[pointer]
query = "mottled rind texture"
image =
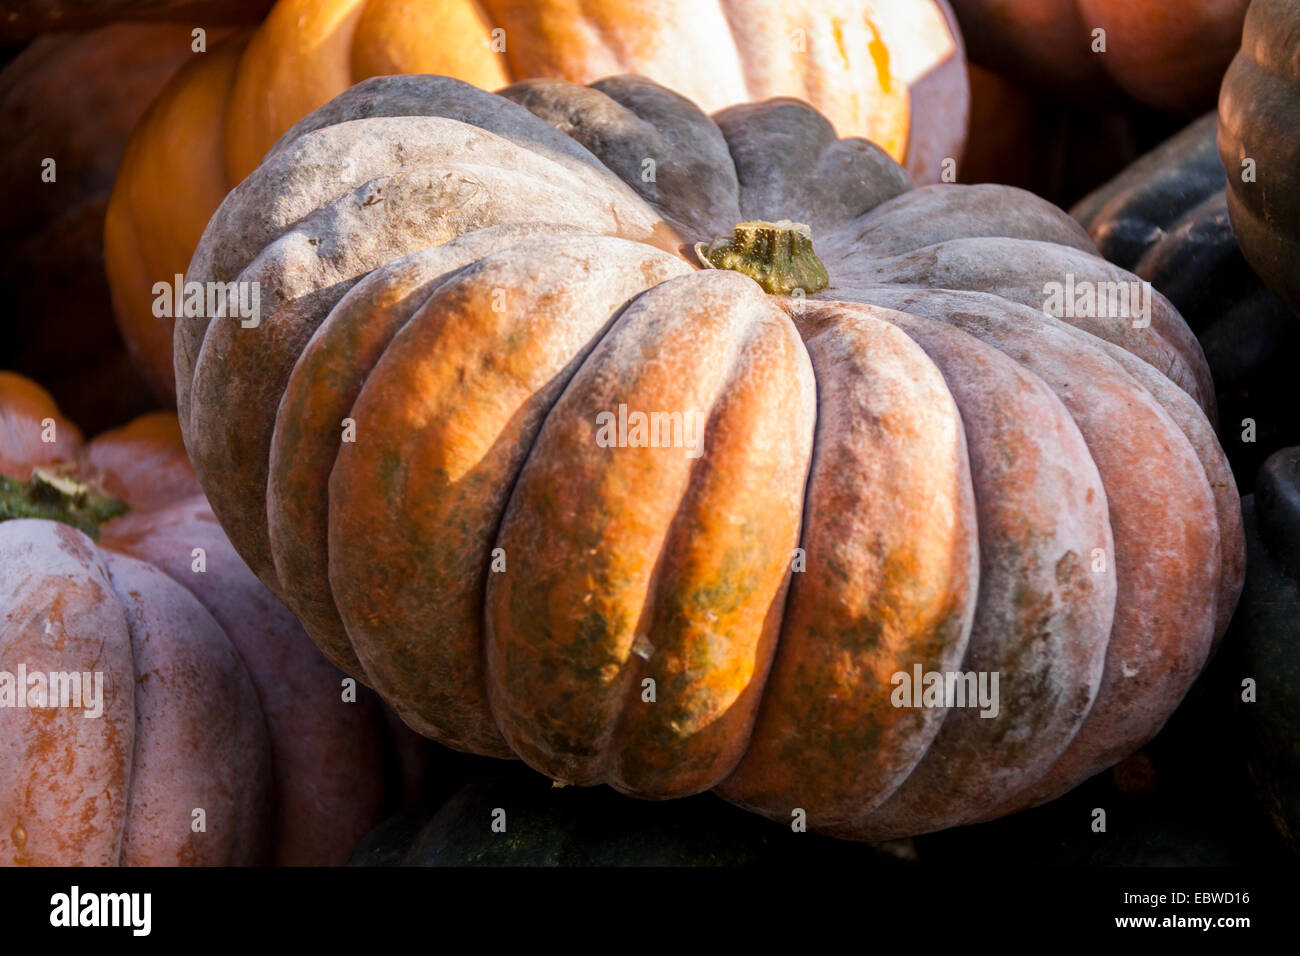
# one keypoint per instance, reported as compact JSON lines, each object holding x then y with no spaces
{"x":430,"y":449}
{"x":214,"y":698}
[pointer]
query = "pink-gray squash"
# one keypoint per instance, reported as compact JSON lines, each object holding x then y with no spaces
{"x":913,"y":467}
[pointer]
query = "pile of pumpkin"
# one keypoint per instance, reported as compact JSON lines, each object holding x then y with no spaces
{"x":345,"y":288}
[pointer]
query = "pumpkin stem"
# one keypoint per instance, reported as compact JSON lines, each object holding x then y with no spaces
{"x":777,"y":255}
{"x":57,"y":497}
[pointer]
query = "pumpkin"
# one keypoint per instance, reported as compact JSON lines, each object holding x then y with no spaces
{"x":1167,"y":55}
{"x":428,"y":445}
{"x":1268,"y":629}
{"x":1259,"y":143}
{"x":212,"y":697}
{"x":56,"y":317}
{"x":26,"y":18}
{"x":1166,"y":219}
{"x":891,"y":71}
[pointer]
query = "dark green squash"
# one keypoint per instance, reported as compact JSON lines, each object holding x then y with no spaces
{"x":1267,"y":625}
{"x":548,"y":825}
{"x":1165,"y":218}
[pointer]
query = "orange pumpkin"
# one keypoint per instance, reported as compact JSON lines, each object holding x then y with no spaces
{"x":1259,"y":144}
{"x":223,"y":736}
{"x":890,"y":70}
{"x":56,"y":107}
{"x":426,"y":444}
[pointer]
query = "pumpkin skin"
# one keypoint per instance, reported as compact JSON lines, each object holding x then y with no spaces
{"x":1259,"y":119}
{"x":213,"y":695}
{"x":1267,"y":629}
{"x":970,"y":453}
{"x":1167,"y":55}
{"x":57,"y":323}
{"x":1166,"y":219}
{"x":891,"y":71}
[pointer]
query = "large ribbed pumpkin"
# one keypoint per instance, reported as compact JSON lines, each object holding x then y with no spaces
{"x":1259,"y":143}
{"x":213,"y":698}
{"x":913,"y":468}
{"x":1169,"y":54}
{"x":890,"y":70}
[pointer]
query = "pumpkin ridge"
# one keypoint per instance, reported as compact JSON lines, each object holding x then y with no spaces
{"x":73,"y":771}
{"x":443,"y":422}
{"x":536,"y":639}
{"x":1040,"y":632}
{"x":272,"y":347}
{"x":962,"y":265}
{"x":627,"y":749}
{"x":804,"y":669}
{"x":324,"y":384}
{"x":231,"y":748}
{"x":1194,"y":425}
{"x":1114,"y":702}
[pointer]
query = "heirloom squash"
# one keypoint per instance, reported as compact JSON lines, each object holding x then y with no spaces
{"x":1259,"y":142}
{"x":426,"y":445}
{"x":1164,"y":53}
{"x":1268,"y":627}
{"x":1166,"y":219}
{"x":890,"y":70}
{"x":212,"y":698}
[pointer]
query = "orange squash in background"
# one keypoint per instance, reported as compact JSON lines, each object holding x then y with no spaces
{"x":892,"y":71}
{"x":1259,"y":126}
{"x":1169,"y":54}
{"x":213,"y":697}
{"x":72,"y":99}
